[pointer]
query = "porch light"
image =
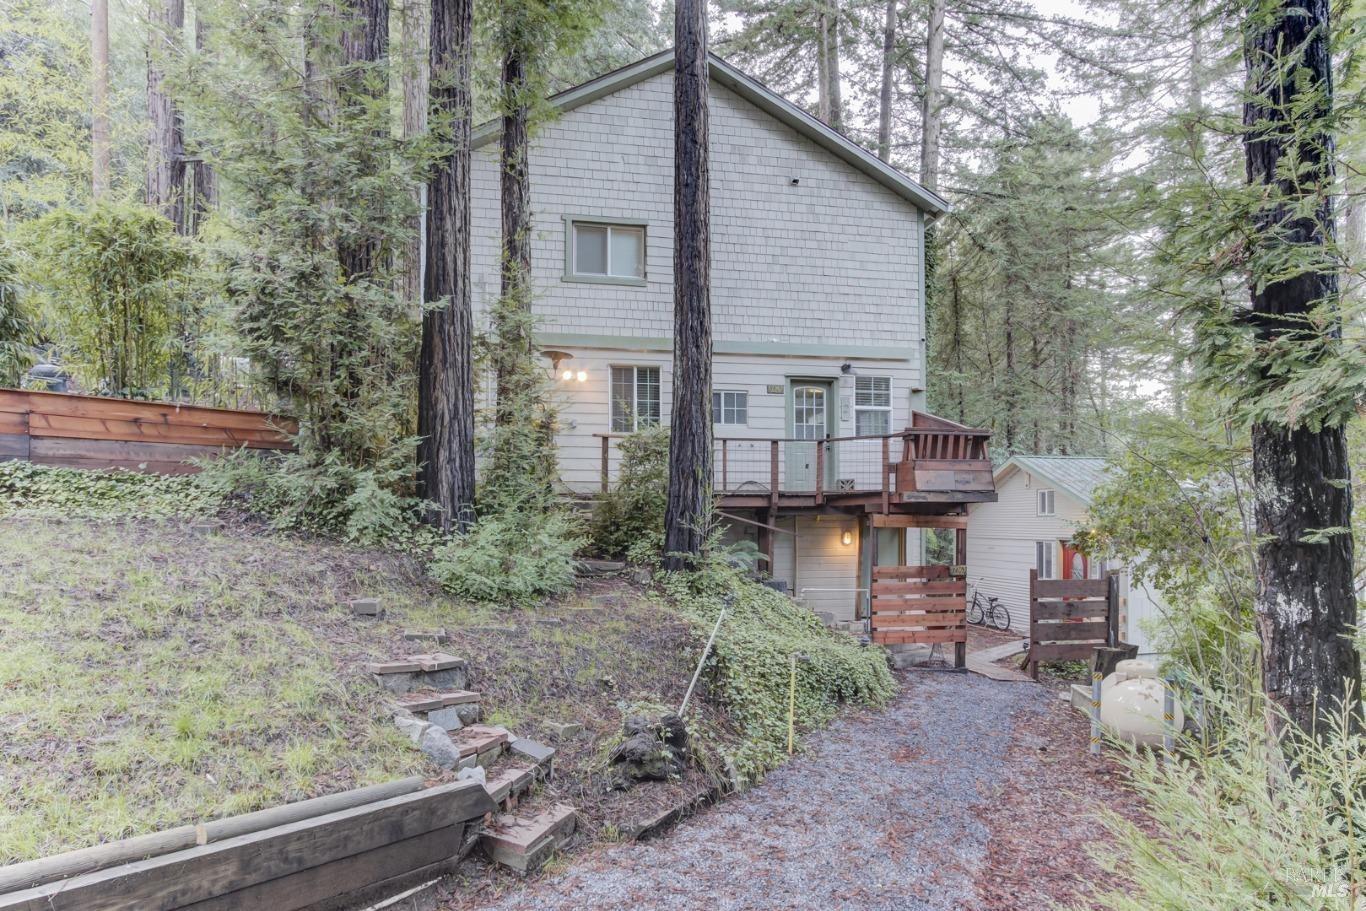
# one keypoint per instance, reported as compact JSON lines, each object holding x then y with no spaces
{"x":582,"y":376}
{"x":567,"y":375}
{"x":846,"y":537}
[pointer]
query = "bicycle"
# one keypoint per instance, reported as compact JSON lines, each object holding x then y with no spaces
{"x":993,"y":610}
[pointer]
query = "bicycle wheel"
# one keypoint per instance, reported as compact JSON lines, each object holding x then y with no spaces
{"x":975,"y":615}
{"x":1000,"y":617}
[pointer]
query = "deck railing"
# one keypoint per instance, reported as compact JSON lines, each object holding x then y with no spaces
{"x":925,"y":458}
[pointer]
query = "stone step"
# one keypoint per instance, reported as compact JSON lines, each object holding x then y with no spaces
{"x":509,"y":784}
{"x":406,"y":673}
{"x":429,"y":702}
{"x":534,"y":750}
{"x":522,"y":842}
{"x":439,"y":636}
{"x":483,"y":742}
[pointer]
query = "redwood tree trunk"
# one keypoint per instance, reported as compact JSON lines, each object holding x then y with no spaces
{"x":1306,"y":608}
{"x":690,"y":441}
{"x":932,"y":109}
{"x":445,"y":417}
{"x":365,"y":42}
{"x":514,"y":334}
{"x":165,"y":136}
{"x":884,"y":108}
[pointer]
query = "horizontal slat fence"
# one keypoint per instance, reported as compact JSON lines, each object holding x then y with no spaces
{"x":918,"y":604}
{"x":1070,"y":618}
{"x":81,"y":431}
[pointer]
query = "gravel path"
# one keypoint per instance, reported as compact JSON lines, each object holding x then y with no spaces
{"x":880,"y":813}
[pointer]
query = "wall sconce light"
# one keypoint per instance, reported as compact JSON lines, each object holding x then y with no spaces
{"x":582,"y":376}
{"x":846,"y":537}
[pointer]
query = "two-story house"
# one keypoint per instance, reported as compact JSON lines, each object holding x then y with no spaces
{"x":817,"y":295}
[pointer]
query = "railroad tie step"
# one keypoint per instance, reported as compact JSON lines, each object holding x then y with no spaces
{"x":524,"y":841}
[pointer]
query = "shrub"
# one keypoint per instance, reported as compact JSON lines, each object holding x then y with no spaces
{"x":1227,"y":828}
{"x":15,"y":331}
{"x":631,"y":515}
{"x":750,"y":662}
{"x":509,"y":559}
{"x":112,"y":276}
{"x":328,"y":497}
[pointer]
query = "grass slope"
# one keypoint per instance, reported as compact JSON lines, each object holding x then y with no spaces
{"x":150,"y":676}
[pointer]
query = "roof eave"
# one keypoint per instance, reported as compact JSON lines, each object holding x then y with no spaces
{"x":761,"y":97}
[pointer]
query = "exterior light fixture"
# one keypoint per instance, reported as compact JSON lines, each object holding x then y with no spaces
{"x":557,"y":358}
{"x":582,"y":376}
{"x":848,"y":369}
{"x":846,"y":537}
{"x":567,"y":375}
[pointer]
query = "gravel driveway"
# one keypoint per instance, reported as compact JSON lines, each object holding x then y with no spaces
{"x":879,"y":813}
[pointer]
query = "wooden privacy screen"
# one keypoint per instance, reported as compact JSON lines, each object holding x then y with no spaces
{"x":1070,"y":618}
{"x":920,"y":604}
{"x":83,"y":431}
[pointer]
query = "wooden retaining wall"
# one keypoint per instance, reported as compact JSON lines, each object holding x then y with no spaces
{"x":84,"y":431}
{"x":335,"y":860}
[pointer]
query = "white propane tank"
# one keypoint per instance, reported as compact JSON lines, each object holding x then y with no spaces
{"x":1131,"y":704}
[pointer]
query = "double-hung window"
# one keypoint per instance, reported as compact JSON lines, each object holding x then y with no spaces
{"x":1043,"y":559}
{"x":635,"y":398}
{"x":606,"y":251}
{"x":872,"y":405}
{"x":1047,"y":503}
{"x":728,"y":407}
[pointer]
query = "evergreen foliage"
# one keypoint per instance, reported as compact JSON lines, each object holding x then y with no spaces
{"x":16,"y":330}
{"x":629,"y":519}
{"x":111,"y":279}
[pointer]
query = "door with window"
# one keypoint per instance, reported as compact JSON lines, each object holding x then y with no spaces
{"x":1074,"y":563}
{"x":810,"y":417}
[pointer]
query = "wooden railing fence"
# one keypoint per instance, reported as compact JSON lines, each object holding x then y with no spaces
{"x":1070,"y":618}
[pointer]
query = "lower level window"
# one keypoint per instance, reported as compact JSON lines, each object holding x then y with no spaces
{"x":635,"y":398}
{"x":1043,"y":559}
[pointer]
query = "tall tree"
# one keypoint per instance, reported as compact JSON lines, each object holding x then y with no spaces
{"x":100,"y":143}
{"x":1306,"y":606}
{"x":514,"y":189}
{"x":931,"y":117}
{"x":165,"y":133}
{"x":690,"y":441}
{"x":365,"y":46}
{"x":445,"y":418}
{"x":884,"y":108}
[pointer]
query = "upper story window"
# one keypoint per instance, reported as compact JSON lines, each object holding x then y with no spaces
{"x":635,"y":398}
{"x":605,"y":251}
{"x":1046,"y":503}
{"x":872,"y":405}
{"x":730,"y":407}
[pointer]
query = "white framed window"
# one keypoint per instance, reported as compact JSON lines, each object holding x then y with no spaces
{"x":872,"y":405}
{"x":605,"y":251}
{"x":1046,"y":503}
{"x":635,"y":398}
{"x":729,"y":407}
{"x":1043,"y":559}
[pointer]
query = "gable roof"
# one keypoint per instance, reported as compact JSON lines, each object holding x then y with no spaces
{"x":757,"y":94}
{"x":1076,"y":475}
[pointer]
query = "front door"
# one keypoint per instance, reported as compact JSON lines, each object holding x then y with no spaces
{"x":808,"y":423}
{"x":1073,"y":563}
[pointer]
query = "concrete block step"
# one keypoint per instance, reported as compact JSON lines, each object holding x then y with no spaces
{"x":430,"y":702}
{"x":407,"y":673}
{"x":522,"y":842}
{"x":509,"y":784}
{"x":482,"y":741}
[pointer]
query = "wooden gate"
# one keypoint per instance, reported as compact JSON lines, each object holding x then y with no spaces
{"x":1069,"y":618}
{"x":919,"y":604}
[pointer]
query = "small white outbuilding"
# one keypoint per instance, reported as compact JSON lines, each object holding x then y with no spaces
{"x":1042,"y":501}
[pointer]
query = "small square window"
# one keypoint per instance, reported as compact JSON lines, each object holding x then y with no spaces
{"x":607,"y":251}
{"x":1046,"y":503}
{"x":730,"y":407}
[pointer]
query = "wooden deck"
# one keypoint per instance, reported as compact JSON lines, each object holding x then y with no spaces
{"x":933,"y":467}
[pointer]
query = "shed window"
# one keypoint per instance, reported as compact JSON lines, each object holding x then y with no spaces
{"x":1046,"y":503}
{"x":1043,"y":559}
{"x":729,"y":407}
{"x":635,"y":398}
{"x":872,"y":405}
{"x":608,"y":251}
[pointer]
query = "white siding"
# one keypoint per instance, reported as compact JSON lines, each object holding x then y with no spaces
{"x":1001,"y":553}
{"x":1001,"y":538}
